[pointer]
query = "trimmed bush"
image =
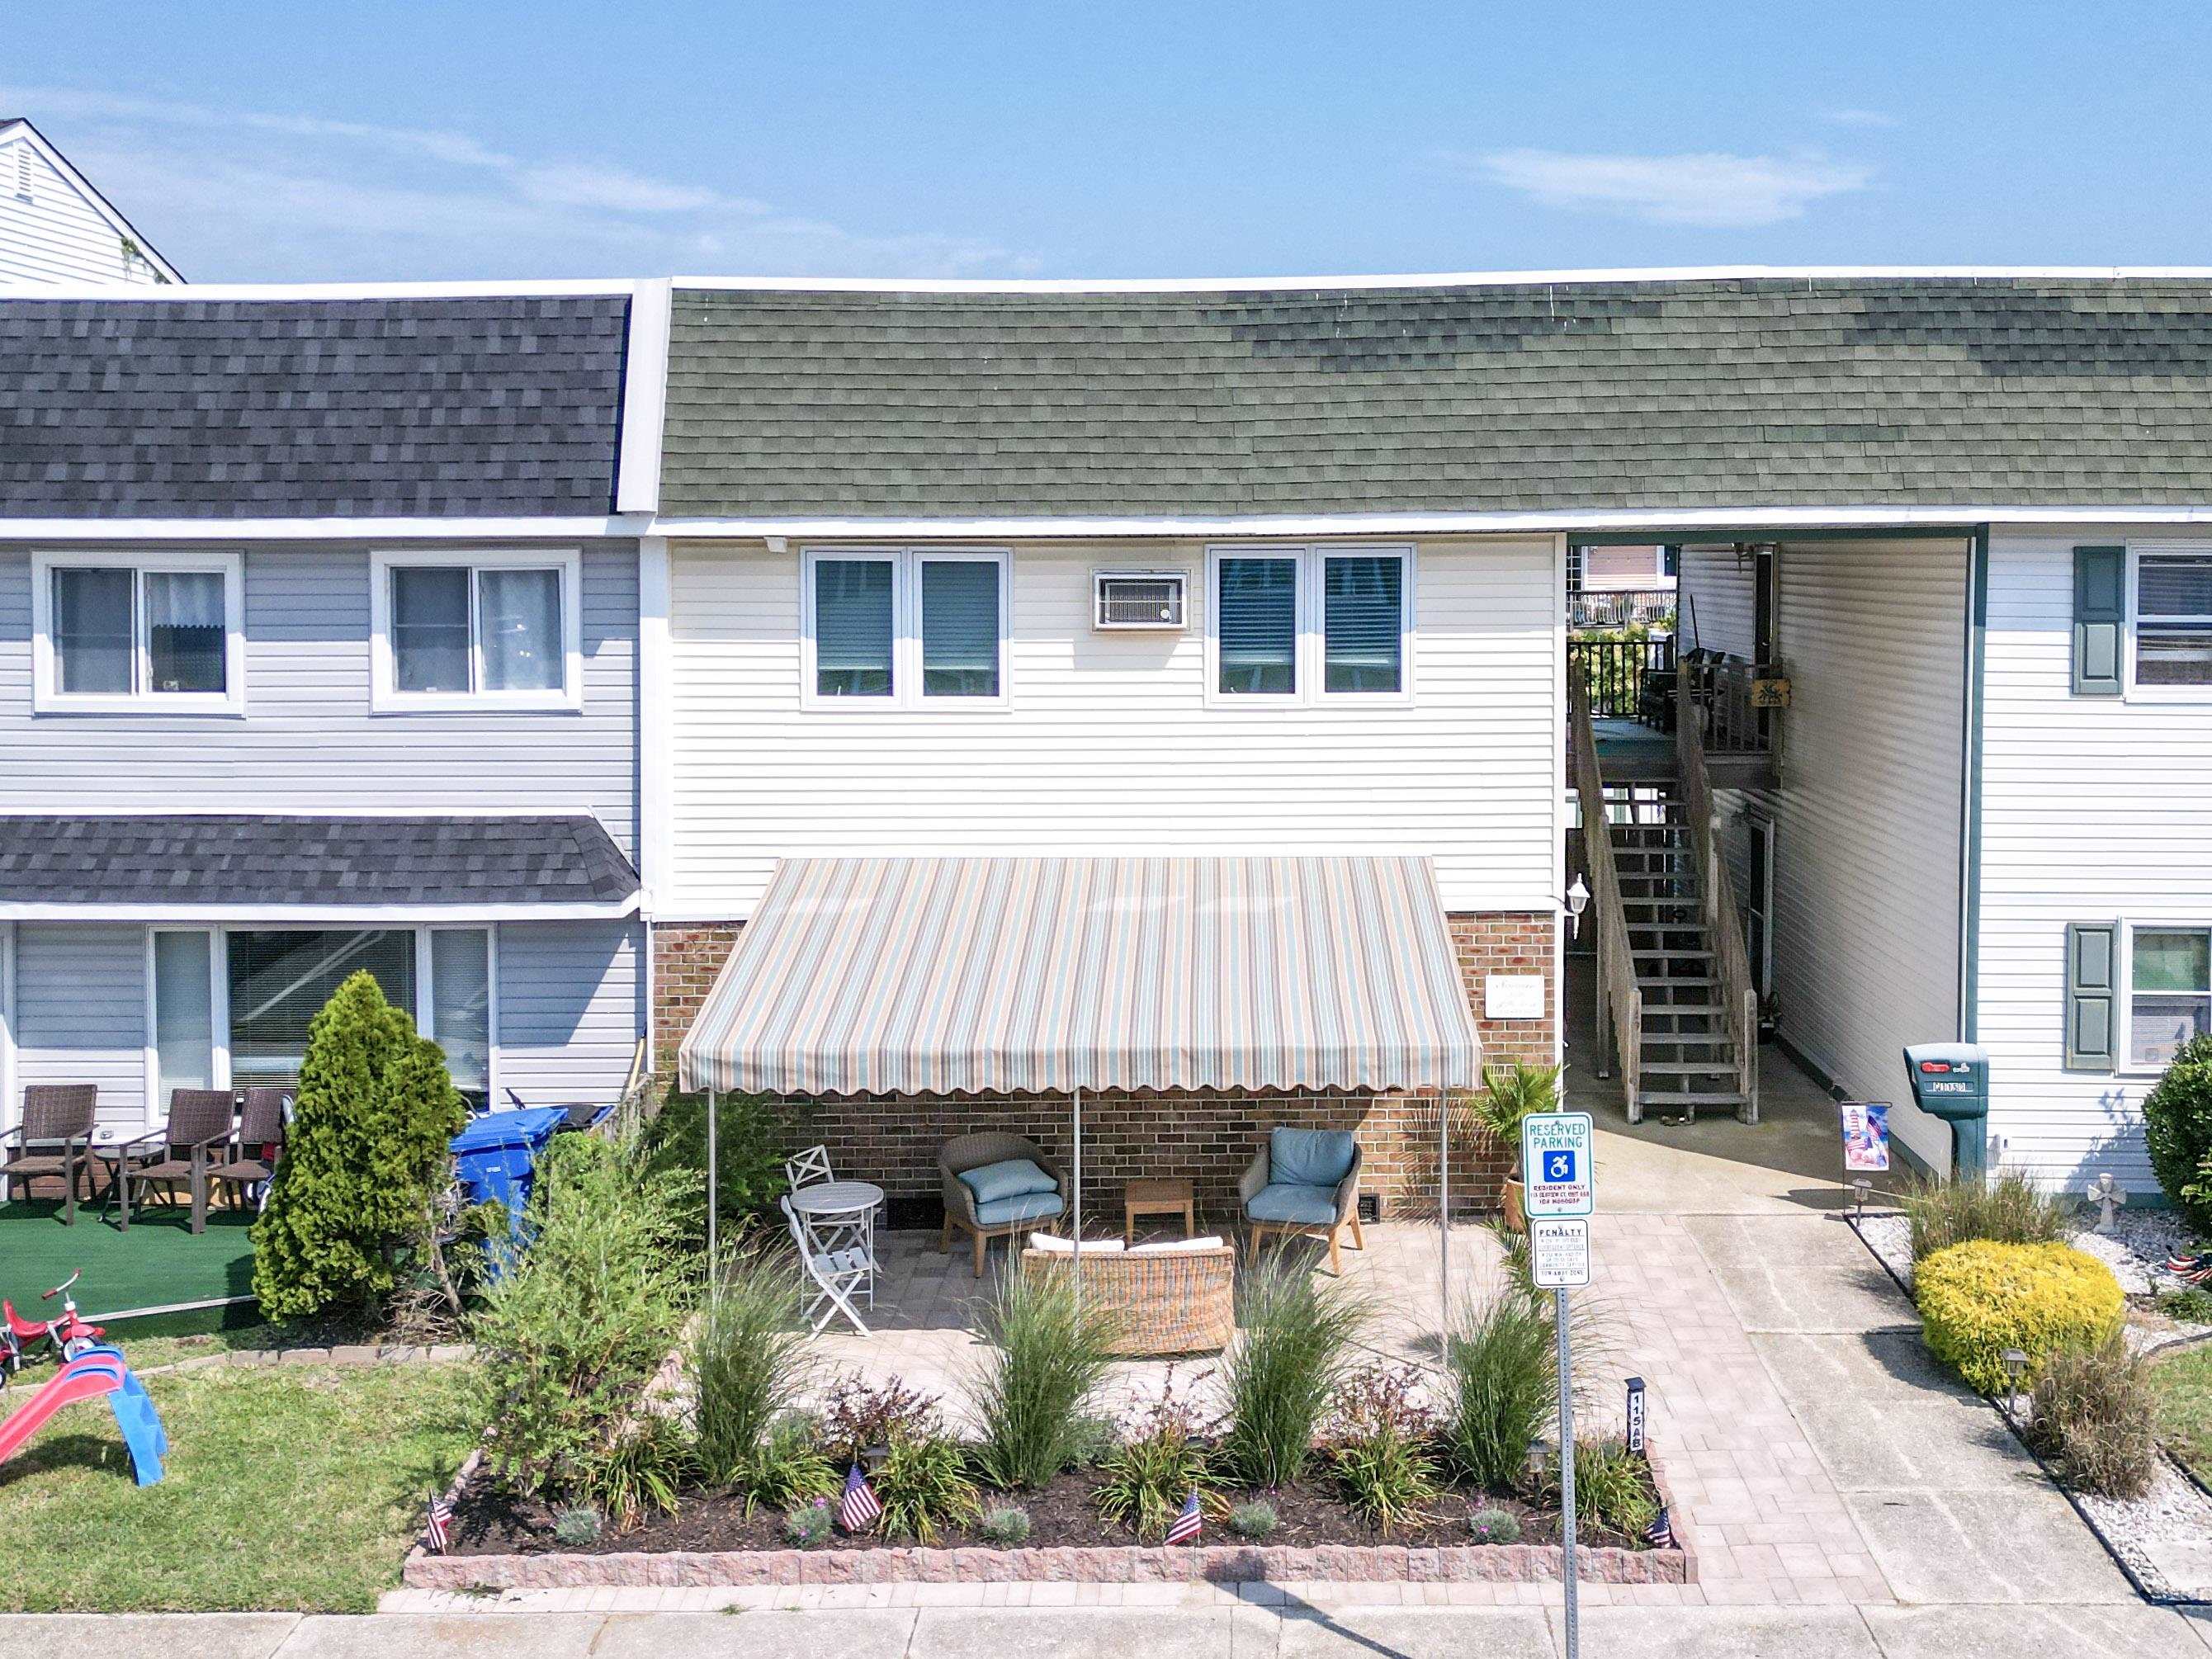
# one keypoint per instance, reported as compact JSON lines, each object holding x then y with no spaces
{"x":1006,"y":1527}
{"x":1254,"y":1520}
{"x":1494,"y":1527}
{"x":2095,"y":1416}
{"x":1979,"y":1298}
{"x":2010,"y":1210}
{"x":2177,"y":1131}
{"x":808,"y":1526}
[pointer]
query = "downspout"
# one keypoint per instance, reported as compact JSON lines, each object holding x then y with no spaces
{"x":1970,"y":826}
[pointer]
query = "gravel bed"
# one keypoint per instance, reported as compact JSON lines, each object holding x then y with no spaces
{"x":2175,"y":1511}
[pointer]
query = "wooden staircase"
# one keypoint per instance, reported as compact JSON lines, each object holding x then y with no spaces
{"x":1688,"y":1056}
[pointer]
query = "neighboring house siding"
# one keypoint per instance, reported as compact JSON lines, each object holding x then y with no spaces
{"x":568,"y":1008}
{"x":2094,"y":809}
{"x":1716,"y":601}
{"x":80,"y":1011}
{"x":308,"y":741}
{"x":1866,"y":880}
{"x":1110,"y":743}
{"x":1623,"y":570}
{"x":54,"y":234}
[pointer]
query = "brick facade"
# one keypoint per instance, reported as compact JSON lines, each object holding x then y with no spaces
{"x":1211,"y":1137}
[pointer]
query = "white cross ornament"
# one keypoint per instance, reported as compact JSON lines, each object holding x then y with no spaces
{"x":2105,"y":1194}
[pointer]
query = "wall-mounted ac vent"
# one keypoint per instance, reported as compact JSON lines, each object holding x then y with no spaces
{"x":1139,"y":599}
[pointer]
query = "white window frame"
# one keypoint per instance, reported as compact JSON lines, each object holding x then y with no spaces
{"x":2132,"y":690}
{"x":424,"y":1008}
{"x":157,"y":1097}
{"x":906,"y":694}
{"x":1309,"y":670}
{"x":9,"y":1099}
{"x":385,"y":697}
{"x":2124,"y":1063}
{"x":47,"y":695}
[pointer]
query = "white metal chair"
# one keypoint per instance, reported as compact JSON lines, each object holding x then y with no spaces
{"x":837,"y":1274}
{"x":809,"y":1167}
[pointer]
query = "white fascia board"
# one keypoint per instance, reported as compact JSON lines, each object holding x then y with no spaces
{"x":191,"y":292}
{"x":1546,"y":523}
{"x":224,"y":532}
{"x":326,"y":915}
{"x":1437,"y":279}
{"x":64,"y":807}
{"x":645,"y":400}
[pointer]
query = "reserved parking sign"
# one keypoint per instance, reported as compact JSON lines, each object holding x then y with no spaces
{"x":1557,"y":1149}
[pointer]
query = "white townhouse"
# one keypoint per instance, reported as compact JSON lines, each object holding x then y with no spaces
{"x":54,"y":228}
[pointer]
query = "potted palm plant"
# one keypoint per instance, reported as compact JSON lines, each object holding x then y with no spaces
{"x":1512,"y":1093}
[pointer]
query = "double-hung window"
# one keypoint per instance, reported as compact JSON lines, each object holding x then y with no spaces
{"x":1319,"y":624}
{"x":904,"y":627}
{"x":2173,"y":648}
{"x":2169,"y":991}
{"x":139,"y":632}
{"x":477,"y":631}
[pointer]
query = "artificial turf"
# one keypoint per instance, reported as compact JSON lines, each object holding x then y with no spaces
{"x":159,"y":1263}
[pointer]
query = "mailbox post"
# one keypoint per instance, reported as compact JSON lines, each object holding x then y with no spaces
{"x":1951,"y":1080}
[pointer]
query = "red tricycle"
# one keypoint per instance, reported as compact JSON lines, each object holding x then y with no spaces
{"x":65,"y":1337}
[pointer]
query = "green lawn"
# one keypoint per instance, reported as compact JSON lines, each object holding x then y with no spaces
{"x":2184,"y":1384}
{"x":286,"y":1488}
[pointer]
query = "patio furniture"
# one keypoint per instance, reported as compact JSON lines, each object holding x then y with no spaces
{"x":841,"y":1215}
{"x":1307,"y":1181}
{"x":1157,"y":1195}
{"x":253,"y":1162}
{"x":835,"y":1275}
{"x":63,"y":1115}
{"x":987,"y":1192}
{"x":809,"y":1167}
{"x":190,"y":1144}
{"x":1169,"y":1298}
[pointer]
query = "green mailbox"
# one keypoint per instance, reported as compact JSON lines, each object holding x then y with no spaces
{"x":1951,"y":1080}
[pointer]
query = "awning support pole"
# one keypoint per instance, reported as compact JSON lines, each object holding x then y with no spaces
{"x":712,"y":1190}
{"x":1078,"y":1214}
{"x":1444,"y":1209}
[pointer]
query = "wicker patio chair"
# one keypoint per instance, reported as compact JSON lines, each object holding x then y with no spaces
{"x":191,"y":1142}
{"x":252,"y":1162}
{"x":1305,"y":1181}
{"x":1002,"y":1217}
{"x":1165,"y":1299}
{"x":61,"y":1115}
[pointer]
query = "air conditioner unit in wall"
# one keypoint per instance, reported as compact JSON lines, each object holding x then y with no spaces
{"x":1139,"y":599}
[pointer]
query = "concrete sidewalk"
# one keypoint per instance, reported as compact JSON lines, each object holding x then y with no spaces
{"x":1228,"y":1632}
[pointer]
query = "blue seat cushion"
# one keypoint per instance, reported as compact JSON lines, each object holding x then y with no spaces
{"x":1013,"y":1177}
{"x":1283,"y":1201}
{"x":1024,"y":1206}
{"x":1309,"y":1158}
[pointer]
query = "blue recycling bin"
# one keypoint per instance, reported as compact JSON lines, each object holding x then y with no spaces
{"x":497,"y":1158}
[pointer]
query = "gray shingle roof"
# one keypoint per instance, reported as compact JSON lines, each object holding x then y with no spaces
{"x":283,"y":408}
{"x":242,"y":859}
{"x":1767,"y":392}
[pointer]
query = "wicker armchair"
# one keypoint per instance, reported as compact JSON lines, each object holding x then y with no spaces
{"x":194,"y":1140}
{"x":1277,"y":1199}
{"x":55,"y":1114}
{"x":965,"y":1152}
{"x":1169,"y":1300}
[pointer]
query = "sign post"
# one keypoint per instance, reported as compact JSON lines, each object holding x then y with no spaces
{"x":1560,"y":1195}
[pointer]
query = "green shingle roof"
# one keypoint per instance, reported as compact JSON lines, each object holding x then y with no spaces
{"x":1783,"y":392}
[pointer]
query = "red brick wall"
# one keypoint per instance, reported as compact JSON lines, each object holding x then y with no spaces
{"x":1210,"y":1137}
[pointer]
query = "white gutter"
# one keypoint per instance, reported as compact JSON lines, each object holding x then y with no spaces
{"x":222,"y":531}
{"x":338,"y":915}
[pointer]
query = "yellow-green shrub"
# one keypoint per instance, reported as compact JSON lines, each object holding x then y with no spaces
{"x":1978,"y":1298}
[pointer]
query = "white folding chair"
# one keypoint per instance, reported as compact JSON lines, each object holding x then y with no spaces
{"x":837,"y":1274}
{"x":809,"y":1167}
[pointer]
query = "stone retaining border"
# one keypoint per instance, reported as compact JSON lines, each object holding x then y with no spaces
{"x":1112,"y":1564}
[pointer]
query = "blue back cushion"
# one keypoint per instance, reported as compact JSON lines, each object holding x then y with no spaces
{"x":1309,"y":1157}
{"x":1015,"y":1177}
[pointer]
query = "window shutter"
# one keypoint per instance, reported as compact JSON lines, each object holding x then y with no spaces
{"x":2093,"y":989}
{"x":2100,"y":616}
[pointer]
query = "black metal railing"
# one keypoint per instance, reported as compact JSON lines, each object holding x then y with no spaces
{"x":1619,"y":676}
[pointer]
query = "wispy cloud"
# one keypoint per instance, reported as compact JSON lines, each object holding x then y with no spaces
{"x":1860,"y":117}
{"x":1717,"y":190}
{"x":261,"y":195}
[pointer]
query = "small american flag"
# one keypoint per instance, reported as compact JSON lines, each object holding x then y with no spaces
{"x":1660,"y":1534}
{"x":858,"y":1509}
{"x":1186,"y":1526}
{"x":437,"y":1531}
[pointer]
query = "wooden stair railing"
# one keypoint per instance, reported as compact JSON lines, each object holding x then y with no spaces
{"x":1739,"y":996}
{"x":1620,"y":1000}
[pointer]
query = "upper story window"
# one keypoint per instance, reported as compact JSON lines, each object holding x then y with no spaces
{"x":476,"y":630}
{"x":138,"y":632}
{"x":1296,"y":625}
{"x":902,"y":628}
{"x":2172,"y":652}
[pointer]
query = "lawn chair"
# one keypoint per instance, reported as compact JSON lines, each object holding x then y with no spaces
{"x":253,"y":1162}
{"x":809,"y":1167}
{"x":837,"y":1274}
{"x":190,"y":1144}
{"x":54,"y":1114}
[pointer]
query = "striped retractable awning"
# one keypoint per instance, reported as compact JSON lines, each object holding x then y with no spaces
{"x":1010,"y":975}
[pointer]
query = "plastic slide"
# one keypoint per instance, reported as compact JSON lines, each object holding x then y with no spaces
{"x":95,"y":1374}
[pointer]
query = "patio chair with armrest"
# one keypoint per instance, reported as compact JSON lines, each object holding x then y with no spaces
{"x":55,"y":1114}
{"x":191,"y":1143}
{"x":253,"y":1161}
{"x":996,"y":1186}
{"x":1305,"y":1181}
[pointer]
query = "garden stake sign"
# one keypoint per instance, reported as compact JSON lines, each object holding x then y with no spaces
{"x":1556,"y":1163}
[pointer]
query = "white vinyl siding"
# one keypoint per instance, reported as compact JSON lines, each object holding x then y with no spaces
{"x":1111,"y":741}
{"x":2094,"y":809}
{"x":53,"y":233}
{"x":1718,"y":601}
{"x":81,"y":1011}
{"x":1867,"y":898}
{"x":309,"y":741}
{"x":568,"y":1009}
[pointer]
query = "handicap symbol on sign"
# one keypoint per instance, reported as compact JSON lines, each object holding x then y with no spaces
{"x":1559,"y":1165}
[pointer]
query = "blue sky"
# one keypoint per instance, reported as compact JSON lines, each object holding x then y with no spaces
{"x":333,"y":141}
